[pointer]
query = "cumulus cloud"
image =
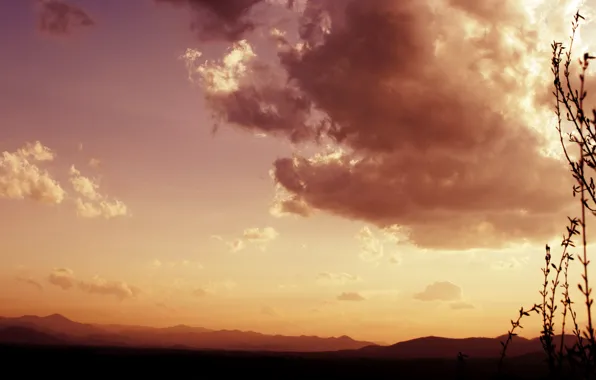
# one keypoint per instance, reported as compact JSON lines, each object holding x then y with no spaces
{"x":65,"y":279}
{"x":440,"y":291}
{"x":435,"y":106}
{"x":62,"y":277}
{"x":350,"y":296}
{"x":199,"y":292}
{"x":37,"y":152}
{"x":327,"y":278}
{"x":31,"y":282}
{"x":246,"y":92}
{"x":22,"y":178}
{"x":91,"y":203}
{"x":58,"y":17}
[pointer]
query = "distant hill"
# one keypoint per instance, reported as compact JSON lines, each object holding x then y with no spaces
{"x":437,"y":347}
{"x":66,"y":331}
{"x":54,"y":323}
{"x":57,"y":329}
{"x":24,"y":335}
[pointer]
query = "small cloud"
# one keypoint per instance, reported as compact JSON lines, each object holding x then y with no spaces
{"x":327,"y":278}
{"x":199,"y":292}
{"x":92,"y":204}
{"x":62,"y":277}
{"x":350,"y":296}
{"x":461,"y":305}
{"x":259,"y":237}
{"x":31,"y":282}
{"x":21,"y":178}
{"x":440,"y":291}
{"x":156,"y":263}
{"x":57,"y":17}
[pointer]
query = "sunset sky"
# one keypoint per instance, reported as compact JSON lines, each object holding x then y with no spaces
{"x":381,"y":169}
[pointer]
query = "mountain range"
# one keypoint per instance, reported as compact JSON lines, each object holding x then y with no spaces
{"x":58,"y":330}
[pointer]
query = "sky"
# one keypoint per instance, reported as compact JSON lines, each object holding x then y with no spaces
{"x":379,"y":169}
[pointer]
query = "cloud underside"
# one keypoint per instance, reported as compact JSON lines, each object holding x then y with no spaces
{"x":434,"y":110}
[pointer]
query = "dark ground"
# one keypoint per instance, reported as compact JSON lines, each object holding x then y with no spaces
{"x":28,"y":362}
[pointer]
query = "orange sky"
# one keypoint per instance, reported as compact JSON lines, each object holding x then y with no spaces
{"x":423,"y":211}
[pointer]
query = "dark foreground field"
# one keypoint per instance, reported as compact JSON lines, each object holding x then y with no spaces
{"x":24,"y":362}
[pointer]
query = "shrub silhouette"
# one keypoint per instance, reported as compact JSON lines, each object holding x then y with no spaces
{"x":577,"y":352}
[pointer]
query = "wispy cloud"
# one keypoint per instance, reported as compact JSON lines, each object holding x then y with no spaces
{"x":350,"y":296}
{"x":258,"y":237}
{"x":91,"y":203}
{"x":334,"y":279}
{"x":31,"y":282}
{"x":65,"y":279}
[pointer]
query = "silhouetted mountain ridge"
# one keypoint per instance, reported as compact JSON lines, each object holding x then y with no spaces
{"x":59,"y":330}
{"x":67,"y":331}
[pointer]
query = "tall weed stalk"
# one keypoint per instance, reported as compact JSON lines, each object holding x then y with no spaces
{"x":577,"y":351}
